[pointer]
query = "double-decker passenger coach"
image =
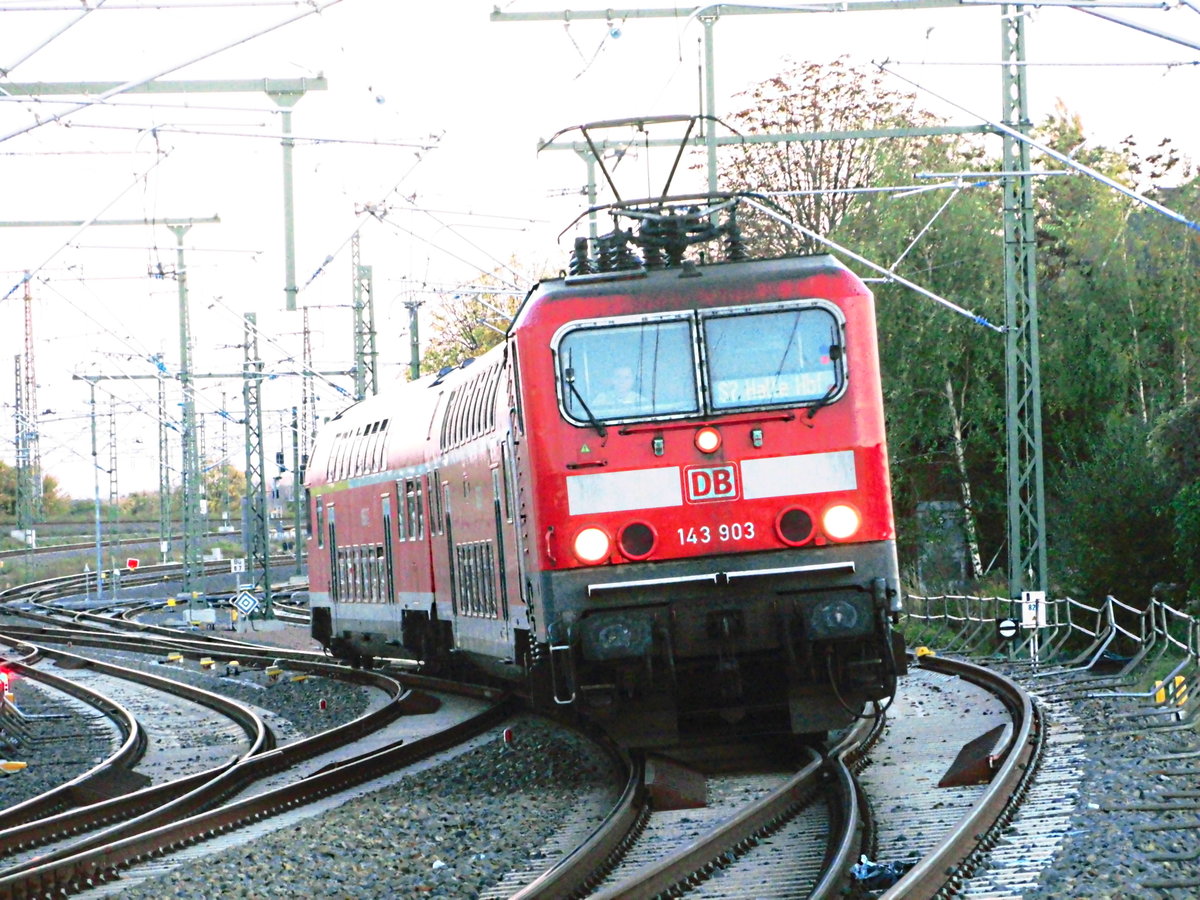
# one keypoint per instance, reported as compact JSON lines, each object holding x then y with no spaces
{"x":663,"y":499}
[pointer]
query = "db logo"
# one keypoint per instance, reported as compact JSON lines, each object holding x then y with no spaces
{"x":715,"y":483}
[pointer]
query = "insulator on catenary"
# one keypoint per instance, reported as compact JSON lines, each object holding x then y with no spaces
{"x":649,"y":239}
{"x":581,"y":263}
{"x":735,"y":244}
{"x":615,"y":252}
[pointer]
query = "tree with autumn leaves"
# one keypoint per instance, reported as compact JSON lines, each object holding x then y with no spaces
{"x":1117,"y":286}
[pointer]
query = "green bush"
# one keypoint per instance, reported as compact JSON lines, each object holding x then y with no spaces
{"x":1113,"y":519}
{"x":1186,"y":508}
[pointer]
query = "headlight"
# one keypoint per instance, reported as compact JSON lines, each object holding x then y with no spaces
{"x":840,"y":522}
{"x":592,"y":545}
{"x":708,"y":439}
{"x":837,"y":618}
{"x":617,"y":635}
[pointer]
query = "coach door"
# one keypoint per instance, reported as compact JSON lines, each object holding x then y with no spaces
{"x":498,"y":497}
{"x":389,"y":547}
{"x":335,"y":568}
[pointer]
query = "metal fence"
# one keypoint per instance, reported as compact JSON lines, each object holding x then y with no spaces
{"x":1149,"y":656}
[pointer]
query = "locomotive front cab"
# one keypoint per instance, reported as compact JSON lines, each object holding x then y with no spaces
{"x":718,"y":538}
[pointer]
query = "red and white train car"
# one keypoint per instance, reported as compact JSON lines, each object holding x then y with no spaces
{"x":663,"y":498}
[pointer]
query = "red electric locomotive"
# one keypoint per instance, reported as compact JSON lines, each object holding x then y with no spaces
{"x":663,"y":498}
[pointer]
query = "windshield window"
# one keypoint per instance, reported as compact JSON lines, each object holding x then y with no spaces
{"x":623,"y":371}
{"x":785,"y":357}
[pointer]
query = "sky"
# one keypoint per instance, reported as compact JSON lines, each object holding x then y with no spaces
{"x":432,"y":116}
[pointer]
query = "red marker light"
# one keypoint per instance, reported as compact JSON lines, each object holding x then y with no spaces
{"x":132,"y":563}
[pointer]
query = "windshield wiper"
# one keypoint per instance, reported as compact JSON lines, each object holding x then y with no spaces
{"x":569,"y":377}
{"x":824,"y":401}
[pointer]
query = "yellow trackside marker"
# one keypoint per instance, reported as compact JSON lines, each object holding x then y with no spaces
{"x":206,"y":663}
{"x":174,"y":657}
{"x":301,"y":677}
{"x":273,"y":672}
{"x":924,"y":651}
{"x":8,"y":766}
{"x":1179,"y":693}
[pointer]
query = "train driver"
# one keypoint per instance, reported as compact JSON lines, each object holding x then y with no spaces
{"x":620,"y":394}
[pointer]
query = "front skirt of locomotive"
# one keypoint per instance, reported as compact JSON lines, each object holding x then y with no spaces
{"x":675,"y":651}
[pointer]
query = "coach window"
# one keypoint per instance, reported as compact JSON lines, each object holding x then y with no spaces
{"x":320,"y":523}
{"x":413,"y":510}
{"x":362,"y":450}
{"x":621,"y":370}
{"x":778,"y":356}
{"x":381,"y":447}
{"x":401,"y":532}
{"x":515,"y":392}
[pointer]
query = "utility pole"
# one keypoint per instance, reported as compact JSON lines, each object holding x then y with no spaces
{"x":193,"y":571}
{"x":286,"y":92}
{"x":365,"y":355}
{"x":414,"y":340}
{"x":96,"y":491}
{"x":308,"y":406}
{"x":257,"y":527}
{"x":297,"y":493}
{"x":164,"y":469}
{"x":193,"y":564}
{"x":32,"y":416}
{"x":25,"y":517}
{"x":1023,"y":392}
{"x":114,"y":543}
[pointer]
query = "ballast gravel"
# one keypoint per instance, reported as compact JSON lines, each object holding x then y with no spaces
{"x":450,"y":831}
{"x":1135,"y":832}
{"x":63,"y":738}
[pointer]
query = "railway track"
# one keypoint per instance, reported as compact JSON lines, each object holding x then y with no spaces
{"x":203,"y":804}
{"x":153,"y":541}
{"x":798,"y":830}
{"x":798,"y":833}
{"x":185,"y":808}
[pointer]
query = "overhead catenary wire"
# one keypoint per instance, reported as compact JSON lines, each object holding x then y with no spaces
{"x":367,"y":212}
{"x":315,"y":140}
{"x":454,"y":230}
{"x":7,"y":71}
{"x":885,"y":66}
{"x":137,"y":82}
{"x":87,"y":224}
{"x":450,"y":253}
{"x":882,"y":270}
{"x":262,"y":335}
{"x":154,"y":5}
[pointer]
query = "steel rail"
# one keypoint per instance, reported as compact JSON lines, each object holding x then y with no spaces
{"x":99,"y":864}
{"x":150,"y":540}
{"x":405,"y":698}
{"x":169,"y":797}
{"x":976,"y":833}
{"x":65,"y":585}
{"x":695,"y":857}
{"x":843,"y":758}
{"x":65,"y":795}
{"x":583,"y":866}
